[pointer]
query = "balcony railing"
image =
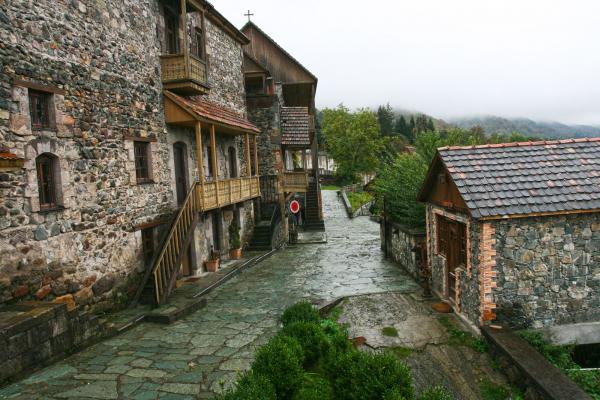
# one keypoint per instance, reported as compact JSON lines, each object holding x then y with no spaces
{"x":183,"y":72}
{"x":229,"y":191}
{"x":294,"y":181}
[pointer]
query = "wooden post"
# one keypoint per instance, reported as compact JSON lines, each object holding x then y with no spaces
{"x":255,"y":157}
{"x":248,"y":166}
{"x":200,"y":160}
{"x":184,"y":38}
{"x":213,"y":151}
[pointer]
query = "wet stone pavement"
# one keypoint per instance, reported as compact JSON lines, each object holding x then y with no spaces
{"x":201,"y":353}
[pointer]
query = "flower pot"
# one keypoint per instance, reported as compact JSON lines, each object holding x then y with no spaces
{"x":212,"y":265}
{"x":235,"y":254}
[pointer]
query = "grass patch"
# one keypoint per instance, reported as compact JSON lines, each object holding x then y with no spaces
{"x":330,"y":187}
{"x":561,"y":357}
{"x":400,"y":352}
{"x":493,"y":391}
{"x":389,"y":331}
{"x":359,"y":199}
{"x":458,"y":337}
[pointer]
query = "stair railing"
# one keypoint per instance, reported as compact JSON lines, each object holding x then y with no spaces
{"x":165,"y":268}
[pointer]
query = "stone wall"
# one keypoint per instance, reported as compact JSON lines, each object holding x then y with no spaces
{"x":400,"y":248}
{"x":100,"y":63}
{"x":267,"y":120}
{"x":467,"y":302}
{"x":548,"y":270}
{"x":105,"y":87}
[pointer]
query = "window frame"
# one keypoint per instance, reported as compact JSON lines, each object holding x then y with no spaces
{"x":142,"y":156}
{"x":40,"y":110}
{"x":47,"y":181}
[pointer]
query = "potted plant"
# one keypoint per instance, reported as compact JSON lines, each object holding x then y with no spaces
{"x":212,"y":264}
{"x":235,"y":245}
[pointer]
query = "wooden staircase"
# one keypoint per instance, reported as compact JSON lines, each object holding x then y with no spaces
{"x":314,"y":220}
{"x":158,"y":282}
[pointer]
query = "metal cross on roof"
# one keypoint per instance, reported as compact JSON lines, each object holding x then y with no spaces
{"x":248,"y":15}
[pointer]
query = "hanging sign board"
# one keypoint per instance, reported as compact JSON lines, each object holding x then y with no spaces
{"x":294,"y":206}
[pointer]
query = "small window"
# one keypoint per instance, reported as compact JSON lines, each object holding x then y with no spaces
{"x":148,"y":245}
{"x":142,"y":161}
{"x":39,"y":108}
{"x":255,"y":85}
{"x":197,"y":44}
{"x":47,"y":166}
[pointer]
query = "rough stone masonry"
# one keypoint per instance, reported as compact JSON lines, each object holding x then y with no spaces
{"x":99,"y":62}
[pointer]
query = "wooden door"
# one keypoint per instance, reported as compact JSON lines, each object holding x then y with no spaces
{"x":452,"y":259}
{"x":232,"y":163}
{"x":216,"y":231}
{"x":181,"y":186}
{"x":186,"y":261}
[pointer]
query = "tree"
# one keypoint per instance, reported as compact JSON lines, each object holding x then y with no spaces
{"x":412,"y":126}
{"x":352,"y":141}
{"x":399,"y":183}
{"x":402,"y":128}
{"x":385,"y":116}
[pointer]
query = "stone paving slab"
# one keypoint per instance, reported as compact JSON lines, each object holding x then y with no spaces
{"x":422,"y":339}
{"x":219,"y":341}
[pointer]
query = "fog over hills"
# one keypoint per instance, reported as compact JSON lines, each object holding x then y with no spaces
{"x":527,"y":127}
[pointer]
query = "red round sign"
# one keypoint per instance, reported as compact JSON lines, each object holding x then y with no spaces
{"x":294,"y":206}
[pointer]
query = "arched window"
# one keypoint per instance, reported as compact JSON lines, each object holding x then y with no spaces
{"x":47,"y":174}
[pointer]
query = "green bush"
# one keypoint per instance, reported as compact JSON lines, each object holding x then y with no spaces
{"x":436,"y":393}
{"x":356,"y":375}
{"x":251,"y":387}
{"x":314,"y":387}
{"x":234,"y":235}
{"x":300,"y":312}
{"x":280,"y":361}
{"x":312,"y":339}
{"x":337,"y":336}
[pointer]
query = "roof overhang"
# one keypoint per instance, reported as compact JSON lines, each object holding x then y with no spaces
{"x":181,"y":112}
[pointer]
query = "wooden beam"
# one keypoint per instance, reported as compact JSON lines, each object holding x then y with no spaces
{"x":248,"y":166}
{"x":255,"y":157}
{"x":213,"y":147}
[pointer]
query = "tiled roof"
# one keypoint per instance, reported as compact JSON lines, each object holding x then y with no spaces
{"x":213,"y":112}
{"x":528,"y":177}
{"x":5,"y":155}
{"x":295,"y":126}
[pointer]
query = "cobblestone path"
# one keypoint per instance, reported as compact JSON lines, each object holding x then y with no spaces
{"x":195,"y":356}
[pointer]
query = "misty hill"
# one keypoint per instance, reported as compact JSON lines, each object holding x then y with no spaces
{"x":527,"y":127}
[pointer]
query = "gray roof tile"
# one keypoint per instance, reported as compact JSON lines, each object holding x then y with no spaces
{"x":529,"y":177}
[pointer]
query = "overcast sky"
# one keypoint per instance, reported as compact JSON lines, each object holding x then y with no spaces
{"x":449,"y":58}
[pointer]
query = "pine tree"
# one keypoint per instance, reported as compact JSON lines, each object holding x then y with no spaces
{"x":385,"y":116}
{"x":402,"y":127}
{"x":430,"y":125}
{"x":412,"y":126}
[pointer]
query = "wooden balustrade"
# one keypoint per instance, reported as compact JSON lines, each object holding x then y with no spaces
{"x":294,"y":181}
{"x":166,"y":265}
{"x":183,"y":73}
{"x":201,"y":197}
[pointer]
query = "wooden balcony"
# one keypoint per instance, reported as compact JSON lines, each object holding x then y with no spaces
{"x":226,"y":192}
{"x":184,"y":74}
{"x":294,"y":181}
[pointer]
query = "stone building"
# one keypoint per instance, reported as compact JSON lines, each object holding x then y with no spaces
{"x":125,"y":149}
{"x":513,"y":231}
{"x":280,"y":96}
